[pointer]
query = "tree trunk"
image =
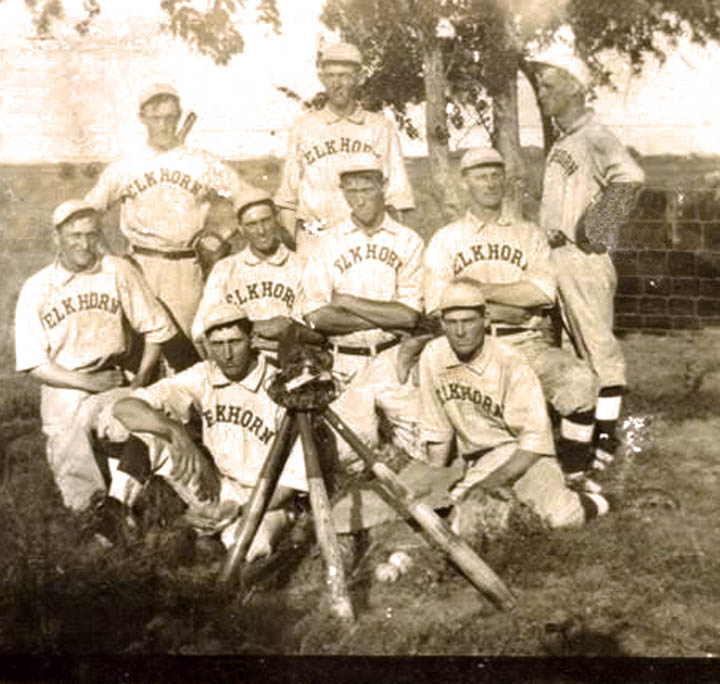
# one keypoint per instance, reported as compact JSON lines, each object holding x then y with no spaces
{"x":437,"y":133}
{"x":507,"y":134}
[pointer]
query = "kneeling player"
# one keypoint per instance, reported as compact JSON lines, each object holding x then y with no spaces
{"x":487,"y":397}
{"x":239,"y":422}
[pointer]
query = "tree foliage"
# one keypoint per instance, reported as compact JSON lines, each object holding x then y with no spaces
{"x":214,"y":31}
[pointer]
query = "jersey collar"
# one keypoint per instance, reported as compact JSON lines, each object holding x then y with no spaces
{"x":478,"y":225}
{"x":251,"y":382}
{"x":477,"y":365}
{"x":357,"y":117}
{"x":281,"y":255}
{"x":62,"y":276}
{"x":577,"y":124}
{"x":388,"y":224}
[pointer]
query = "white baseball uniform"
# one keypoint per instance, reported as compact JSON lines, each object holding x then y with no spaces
{"x":494,"y":405}
{"x":239,"y":423}
{"x":262,"y":288}
{"x":582,"y":162}
{"x":320,"y":144}
{"x":510,"y":251}
{"x":76,"y":320}
{"x":164,"y":203}
{"x":385,"y":266}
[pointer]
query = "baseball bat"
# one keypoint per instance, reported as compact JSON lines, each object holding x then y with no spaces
{"x":260,"y":498}
{"x":404,"y":500}
{"x":189,"y":122}
{"x":340,"y":603}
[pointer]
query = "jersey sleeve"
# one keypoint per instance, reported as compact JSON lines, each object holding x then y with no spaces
{"x":144,"y":312}
{"x":225,"y":181}
{"x":32,"y":347}
{"x":614,"y":161}
{"x":525,"y":410}
{"x":316,"y":283}
{"x":410,"y":275}
{"x":437,"y":272}
{"x":286,"y":196}
{"x":540,"y":271}
{"x":107,"y":189}
{"x":175,"y":395}
{"x":434,"y":423}
{"x":399,"y":193}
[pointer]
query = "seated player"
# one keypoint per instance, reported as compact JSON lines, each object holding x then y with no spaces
{"x":263,"y":279}
{"x":239,"y":422}
{"x":487,"y":397}
{"x":363,"y":280}
{"x":71,"y":336}
{"x":509,"y":260}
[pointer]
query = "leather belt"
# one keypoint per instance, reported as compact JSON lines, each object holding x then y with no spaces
{"x":175,"y":255}
{"x":365,"y":351}
{"x":499,"y":332}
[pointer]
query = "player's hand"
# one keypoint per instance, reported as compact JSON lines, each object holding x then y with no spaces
{"x":104,"y":380}
{"x":556,"y":238}
{"x":191,"y":468}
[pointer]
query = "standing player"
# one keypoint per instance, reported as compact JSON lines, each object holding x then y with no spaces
{"x":510,"y":261}
{"x":321,"y":142}
{"x":239,"y":422}
{"x":70,"y":335}
{"x":589,"y":188}
{"x":165,"y":193}
{"x":363,"y":282}
{"x":262,"y":280}
{"x":487,"y":397}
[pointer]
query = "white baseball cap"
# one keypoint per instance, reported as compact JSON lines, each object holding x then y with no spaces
{"x":480,"y":156}
{"x":70,"y":208}
{"x":221,"y":314}
{"x":462,"y":295}
{"x":560,"y":57}
{"x":359,"y":163}
{"x":250,"y":196}
{"x":153,"y":90}
{"x":341,"y":52}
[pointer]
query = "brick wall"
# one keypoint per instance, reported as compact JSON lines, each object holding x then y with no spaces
{"x":668,"y":262}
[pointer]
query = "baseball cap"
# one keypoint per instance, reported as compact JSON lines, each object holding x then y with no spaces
{"x":250,"y":196}
{"x":361,"y":162}
{"x":221,"y":314}
{"x":70,"y":208}
{"x":461,"y":295}
{"x":480,"y":156}
{"x":153,"y":90}
{"x":562,"y":58}
{"x":341,"y":52}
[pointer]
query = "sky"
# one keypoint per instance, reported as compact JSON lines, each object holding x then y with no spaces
{"x":72,"y":98}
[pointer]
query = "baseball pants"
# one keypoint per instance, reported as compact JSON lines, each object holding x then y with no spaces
{"x":542,"y":487}
{"x":586,"y":284}
{"x":70,"y":419}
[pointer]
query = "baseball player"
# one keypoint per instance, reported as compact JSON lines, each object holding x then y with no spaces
{"x":362,"y":283}
{"x":165,"y":193}
{"x":320,"y":143}
{"x":509,"y":260}
{"x":239,"y":422}
{"x":262,"y":280}
{"x":485,"y":395}
{"x":589,"y":188}
{"x":71,"y":334}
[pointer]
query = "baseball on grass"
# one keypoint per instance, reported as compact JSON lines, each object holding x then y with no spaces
{"x":385,"y":572}
{"x":401,"y":561}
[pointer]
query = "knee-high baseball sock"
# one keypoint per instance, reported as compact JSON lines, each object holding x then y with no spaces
{"x":131,"y":472}
{"x":607,"y":414}
{"x":574,"y":444}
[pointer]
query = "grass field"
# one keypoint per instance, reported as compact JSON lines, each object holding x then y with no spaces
{"x":640,"y":582}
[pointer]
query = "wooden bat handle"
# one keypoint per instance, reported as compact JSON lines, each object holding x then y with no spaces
{"x":189,"y":122}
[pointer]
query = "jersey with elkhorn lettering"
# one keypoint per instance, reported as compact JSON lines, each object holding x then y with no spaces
{"x":494,"y":399}
{"x":77,"y":320}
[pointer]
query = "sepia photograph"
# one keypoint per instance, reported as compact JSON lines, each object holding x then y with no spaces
{"x":360,"y":328}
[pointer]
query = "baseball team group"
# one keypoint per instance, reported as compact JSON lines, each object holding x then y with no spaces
{"x":452,"y":342}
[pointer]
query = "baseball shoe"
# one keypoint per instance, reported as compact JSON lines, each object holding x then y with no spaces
{"x":110,"y":524}
{"x":604,"y":452}
{"x":580,"y":482}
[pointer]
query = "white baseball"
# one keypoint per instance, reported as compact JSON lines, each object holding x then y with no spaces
{"x":401,"y":560}
{"x":385,"y":572}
